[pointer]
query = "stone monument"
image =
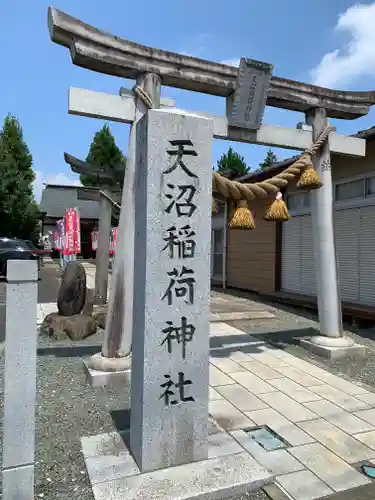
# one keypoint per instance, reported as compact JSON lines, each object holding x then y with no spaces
{"x":169,"y":382}
{"x":167,"y":450}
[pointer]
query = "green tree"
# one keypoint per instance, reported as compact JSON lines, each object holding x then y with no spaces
{"x":269,"y":160}
{"x":19,"y":213}
{"x":232,"y":164}
{"x":105,"y":153}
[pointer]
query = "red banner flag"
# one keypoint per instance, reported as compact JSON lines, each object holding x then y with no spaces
{"x":77,"y":232}
{"x":115,"y":231}
{"x":69,"y":231}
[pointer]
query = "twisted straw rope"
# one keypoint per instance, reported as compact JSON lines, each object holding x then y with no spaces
{"x":143,"y":96}
{"x":236,"y":190}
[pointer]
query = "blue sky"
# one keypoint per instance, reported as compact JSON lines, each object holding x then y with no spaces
{"x":325,"y":42}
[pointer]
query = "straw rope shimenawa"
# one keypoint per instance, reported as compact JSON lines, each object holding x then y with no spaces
{"x":237,"y":190}
{"x":301,"y":169}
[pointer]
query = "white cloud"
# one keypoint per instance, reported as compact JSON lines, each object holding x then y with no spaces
{"x":357,"y":58}
{"x":58,"y":178}
{"x":196,"y":46}
{"x":232,"y":62}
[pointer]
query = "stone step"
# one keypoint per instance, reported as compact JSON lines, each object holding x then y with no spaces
{"x":44,"y":309}
{"x":239,"y":316}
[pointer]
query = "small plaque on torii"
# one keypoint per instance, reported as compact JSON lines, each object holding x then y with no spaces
{"x":249,"y":98}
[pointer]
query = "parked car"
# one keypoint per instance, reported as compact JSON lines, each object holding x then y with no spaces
{"x":14,"y":248}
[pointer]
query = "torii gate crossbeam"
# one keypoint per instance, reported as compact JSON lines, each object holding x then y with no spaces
{"x":96,"y":50}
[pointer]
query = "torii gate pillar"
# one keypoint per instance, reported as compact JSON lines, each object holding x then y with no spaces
{"x":331,"y":343}
{"x":116,"y":349}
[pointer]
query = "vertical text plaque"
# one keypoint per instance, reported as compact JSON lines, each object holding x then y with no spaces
{"x":250,"y":96}
{"x":169,"y":383}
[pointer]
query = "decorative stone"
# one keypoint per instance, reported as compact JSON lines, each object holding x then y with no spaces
{"x":100,"y":315}
{"x":169,"y":383}
{"x":88,"y":308}
{"x":72,"y":293}
{"x":77,"y":327}
{"x":48,"y":327}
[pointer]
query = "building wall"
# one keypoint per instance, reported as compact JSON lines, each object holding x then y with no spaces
{"x":251,"y":254}
{"x":354,"y":222}
{"x":345,"y":167}
{"x":56,"y":199}
{"x":47,"y":228}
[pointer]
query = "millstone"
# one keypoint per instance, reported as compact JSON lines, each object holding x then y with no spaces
{"x":72,"y":292}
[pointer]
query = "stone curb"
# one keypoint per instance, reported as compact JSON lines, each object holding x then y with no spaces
{"x":238,"y":316}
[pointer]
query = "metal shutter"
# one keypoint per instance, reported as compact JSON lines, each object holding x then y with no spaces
{"x":347,"y":227}
{"x":367,"y":256}
{"x":291,"y":256}
{"x":308,"y":275}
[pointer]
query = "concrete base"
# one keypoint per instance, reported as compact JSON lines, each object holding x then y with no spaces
{"x":104,"y":364}
{"x":332,"y":341}
{"x":229,"y":471}
{"x":18,"y":483}
{"x":98,"y":378}
{"x":333,"y":348}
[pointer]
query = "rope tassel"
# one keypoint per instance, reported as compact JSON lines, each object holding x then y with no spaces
{"x":309,"y":178}
{"x":278,"y":211}
{"x":242,"y":217}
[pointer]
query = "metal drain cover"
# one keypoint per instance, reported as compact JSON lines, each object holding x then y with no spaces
{"x":368,"y":470}
{"x":266,"y":438}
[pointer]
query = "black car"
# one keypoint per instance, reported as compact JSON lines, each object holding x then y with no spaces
{"x":14,"y":248}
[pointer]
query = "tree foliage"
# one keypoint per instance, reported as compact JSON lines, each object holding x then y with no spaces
{"x":105,"y":153}
{"x":19,"y":214}
{"x":233,"y":164}
{"x":269,"y":160}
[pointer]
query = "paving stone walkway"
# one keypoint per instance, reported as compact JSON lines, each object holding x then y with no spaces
{"x":223,"y":308}
{"x":328,"y":423}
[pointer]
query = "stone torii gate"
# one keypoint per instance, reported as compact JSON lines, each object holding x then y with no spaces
{"x":96,"y":50}
{"x":105,"y":214}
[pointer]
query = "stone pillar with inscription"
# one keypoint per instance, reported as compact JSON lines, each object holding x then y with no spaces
{"x":169,"y":381}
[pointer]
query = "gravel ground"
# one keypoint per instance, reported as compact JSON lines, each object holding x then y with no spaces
{"x":68,"y":409}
